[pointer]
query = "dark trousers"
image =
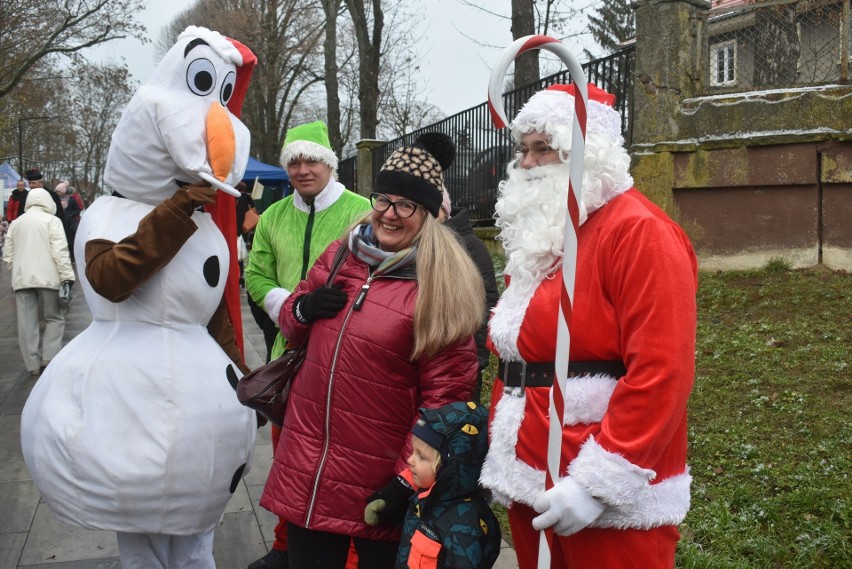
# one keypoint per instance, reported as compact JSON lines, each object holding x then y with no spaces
{"x":265,"y":323}
{"x":310,"y":549}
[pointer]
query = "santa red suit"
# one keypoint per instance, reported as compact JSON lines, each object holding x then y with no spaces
{"x":632,"y":347}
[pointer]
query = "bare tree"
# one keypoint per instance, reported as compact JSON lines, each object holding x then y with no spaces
{"x":286,"y":36}
{"x":368,"y":31}
{"x":33,"y":30}
{"x":523,"y":24}
{"x":403,"y":105}
{"x":404,"y":109}
{"x":331,"y":9}
{"x":561,"y":19}
{"x":26,"y":111}
{"x":98,"y":95}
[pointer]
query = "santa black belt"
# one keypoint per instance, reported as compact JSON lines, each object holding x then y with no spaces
{"x":540,"y":374}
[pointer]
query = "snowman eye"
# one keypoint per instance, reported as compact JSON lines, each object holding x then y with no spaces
{"x":201,"y":76}
{"x":227,"y":88}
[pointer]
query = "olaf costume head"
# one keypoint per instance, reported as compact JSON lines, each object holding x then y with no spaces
{"x":178,"y":128}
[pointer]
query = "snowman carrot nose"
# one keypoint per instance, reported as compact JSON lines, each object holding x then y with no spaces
{"x":221,"y":143}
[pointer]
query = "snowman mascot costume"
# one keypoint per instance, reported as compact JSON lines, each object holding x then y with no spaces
{"x":135,"y":426}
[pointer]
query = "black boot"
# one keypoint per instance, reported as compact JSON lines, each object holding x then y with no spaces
{"x":275,"y":559}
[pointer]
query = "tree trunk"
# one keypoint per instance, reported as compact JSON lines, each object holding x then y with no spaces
{"x":523,"y":24}
{"x":332,"y":88}
{"x":369,"y":58}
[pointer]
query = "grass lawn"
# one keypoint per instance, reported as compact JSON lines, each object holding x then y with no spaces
{"x":770,"y":433}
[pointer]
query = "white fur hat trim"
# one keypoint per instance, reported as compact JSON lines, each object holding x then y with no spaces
{"x":552,"y":111}
{"x":309,"y":150}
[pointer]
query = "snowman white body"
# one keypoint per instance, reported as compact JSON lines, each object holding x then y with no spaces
{"x":135,"y":426}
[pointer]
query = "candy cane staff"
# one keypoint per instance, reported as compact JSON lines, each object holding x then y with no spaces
{"x":622,"y":484}
{"x":135,"y":427}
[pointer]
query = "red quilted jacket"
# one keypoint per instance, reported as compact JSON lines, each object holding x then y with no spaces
{"x":352,"y":405}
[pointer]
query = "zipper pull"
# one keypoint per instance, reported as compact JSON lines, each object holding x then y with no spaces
{"x":362,"y":294}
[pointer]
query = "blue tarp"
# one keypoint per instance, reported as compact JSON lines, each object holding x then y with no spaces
{"x":275,"y":180}
{"x":265,"y":172}
{"x":8,"y":176}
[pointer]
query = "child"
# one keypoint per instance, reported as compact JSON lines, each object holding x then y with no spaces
{"x":448,"y":523}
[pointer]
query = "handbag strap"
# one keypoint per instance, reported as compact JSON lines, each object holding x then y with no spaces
{"x":339,"y":257}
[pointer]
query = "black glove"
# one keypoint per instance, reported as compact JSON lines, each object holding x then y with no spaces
{"x":190,"y":198}
{"x":388,"y":505}
{"x":68,"y":283}
{"x":322,"y":303}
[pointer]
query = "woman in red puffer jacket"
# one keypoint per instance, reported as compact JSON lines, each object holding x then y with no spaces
{"x":392,"y":334}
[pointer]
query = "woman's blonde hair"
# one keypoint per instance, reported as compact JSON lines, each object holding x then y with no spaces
{"x":450,"y":294}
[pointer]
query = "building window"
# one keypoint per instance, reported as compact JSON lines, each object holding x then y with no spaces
{"x":723,"y":63}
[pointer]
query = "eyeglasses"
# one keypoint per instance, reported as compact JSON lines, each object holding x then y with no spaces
{"x":402,"y":208}
{"x":539,"y":148}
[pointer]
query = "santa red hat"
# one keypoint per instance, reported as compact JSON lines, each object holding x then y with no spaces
{"x":552,"y":111}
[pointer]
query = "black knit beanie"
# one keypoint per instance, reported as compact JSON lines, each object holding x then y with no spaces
{"x":417,"y":171}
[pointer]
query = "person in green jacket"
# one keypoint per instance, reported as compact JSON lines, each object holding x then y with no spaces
{"x":289,"y":237}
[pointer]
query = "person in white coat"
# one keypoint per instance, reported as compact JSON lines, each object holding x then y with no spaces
{"x":37,"y":254}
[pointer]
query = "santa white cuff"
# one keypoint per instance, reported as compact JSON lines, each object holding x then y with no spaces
{"x":609,"y":476}
{"x":273,"y":301}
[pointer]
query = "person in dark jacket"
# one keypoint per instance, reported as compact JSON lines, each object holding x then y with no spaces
{"x":448,"y":523}
{"x":393,"y":334}
{"x":458,"y":219}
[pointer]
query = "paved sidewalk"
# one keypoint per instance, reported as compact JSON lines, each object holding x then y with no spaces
{"x":32,"y":538}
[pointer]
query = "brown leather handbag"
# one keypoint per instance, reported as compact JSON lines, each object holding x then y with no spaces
{"x":267,"y":389}
{"x":250,"y":220}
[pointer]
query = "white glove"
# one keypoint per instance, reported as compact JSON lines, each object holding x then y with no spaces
{"x":273,"y":301}
{"x":567,"y":507}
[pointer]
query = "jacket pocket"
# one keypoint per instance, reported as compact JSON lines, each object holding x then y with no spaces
{"x":424,"y":551}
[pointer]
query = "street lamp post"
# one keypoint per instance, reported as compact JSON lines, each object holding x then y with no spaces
{"x":21,"y":140}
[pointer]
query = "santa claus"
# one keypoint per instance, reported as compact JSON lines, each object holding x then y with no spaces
{"x":624,"y":482}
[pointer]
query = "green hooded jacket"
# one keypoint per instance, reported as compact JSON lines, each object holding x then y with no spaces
{"x":289,"y":238}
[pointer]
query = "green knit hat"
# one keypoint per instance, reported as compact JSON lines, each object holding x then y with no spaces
{"x":308,"y":141}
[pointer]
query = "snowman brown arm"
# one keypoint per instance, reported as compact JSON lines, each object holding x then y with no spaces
{"x":115,"y":270}
{"x":223,"y":332}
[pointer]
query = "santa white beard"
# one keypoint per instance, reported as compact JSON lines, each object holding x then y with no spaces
{"x":531,"y":213}
{"x":532,"y":208}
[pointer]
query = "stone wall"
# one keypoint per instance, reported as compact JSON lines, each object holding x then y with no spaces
{"x":751,"y":176}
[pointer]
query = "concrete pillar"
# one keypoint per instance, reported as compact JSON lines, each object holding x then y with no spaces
{"x":671,"y":61}
{"x":364,"y":165}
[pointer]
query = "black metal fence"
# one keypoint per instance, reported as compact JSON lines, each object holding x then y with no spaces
{"x":483,"y":152}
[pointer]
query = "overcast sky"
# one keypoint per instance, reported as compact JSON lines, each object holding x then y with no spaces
{"x":454,"y":69}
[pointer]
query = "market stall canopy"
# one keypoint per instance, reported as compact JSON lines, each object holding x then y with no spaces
{"x":275,"y":182}
{"x":8,"y":176}
{"x":255,"y":169}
